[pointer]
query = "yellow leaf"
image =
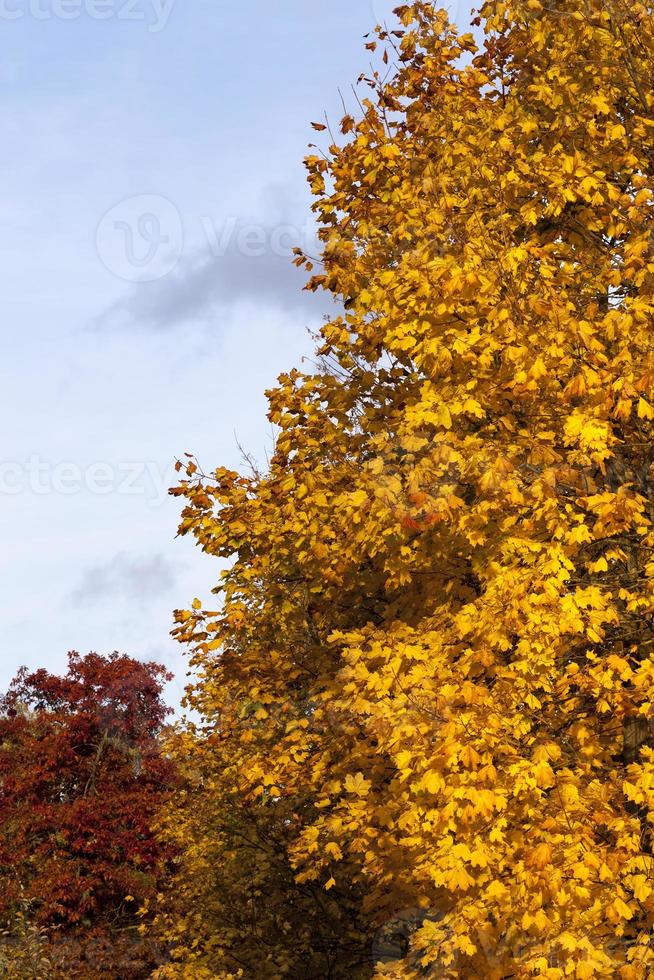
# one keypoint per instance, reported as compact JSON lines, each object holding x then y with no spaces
{"x":622,"y":908}
{"x":645,"y":410}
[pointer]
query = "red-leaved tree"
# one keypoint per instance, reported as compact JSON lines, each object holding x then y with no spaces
{"x":81,"y":777}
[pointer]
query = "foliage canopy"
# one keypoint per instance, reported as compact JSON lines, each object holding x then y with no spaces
{"x":430,"y":683}
{"x":82,"y":774}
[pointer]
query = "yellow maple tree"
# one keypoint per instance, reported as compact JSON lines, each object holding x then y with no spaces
{"x":430,"y":680}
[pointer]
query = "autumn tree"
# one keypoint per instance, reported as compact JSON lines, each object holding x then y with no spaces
{"x":81,"y":776}
{"x":431,"y":671}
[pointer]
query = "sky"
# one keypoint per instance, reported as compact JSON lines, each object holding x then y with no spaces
{"x":152,"y":188}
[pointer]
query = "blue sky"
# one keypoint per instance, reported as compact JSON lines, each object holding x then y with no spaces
{"x":152,"y":184}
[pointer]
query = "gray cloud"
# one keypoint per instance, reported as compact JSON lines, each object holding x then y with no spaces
{"x":125,"y":577}
{"x":253,"y":267}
